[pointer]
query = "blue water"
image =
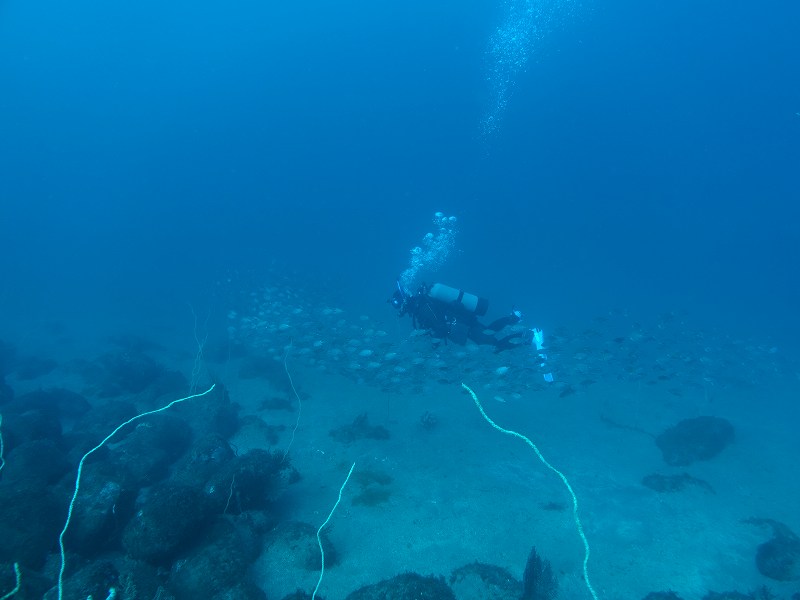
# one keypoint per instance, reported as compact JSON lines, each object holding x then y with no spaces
{"x":647,"y":155}
{"x":626,"y":158}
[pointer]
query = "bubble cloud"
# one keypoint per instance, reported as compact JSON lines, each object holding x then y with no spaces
{"x":432,"y":252}
{"x":524,"y":26}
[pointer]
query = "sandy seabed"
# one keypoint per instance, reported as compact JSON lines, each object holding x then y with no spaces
{"x":462,"y":492}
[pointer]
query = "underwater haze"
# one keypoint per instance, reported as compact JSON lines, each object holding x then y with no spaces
{"x":643,"y":155}
{"x":230,"y":193}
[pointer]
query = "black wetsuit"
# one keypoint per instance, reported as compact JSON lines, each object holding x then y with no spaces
{"x":451,"y":321}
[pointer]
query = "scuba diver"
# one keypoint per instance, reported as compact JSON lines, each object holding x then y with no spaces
{"x":447,"y":313}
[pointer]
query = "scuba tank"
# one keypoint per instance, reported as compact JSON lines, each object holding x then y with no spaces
{"x":469,"y":302}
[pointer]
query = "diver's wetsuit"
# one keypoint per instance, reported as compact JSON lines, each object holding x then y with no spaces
{"x":451,"y":321}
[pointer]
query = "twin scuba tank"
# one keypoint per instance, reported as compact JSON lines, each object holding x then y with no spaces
{"x":468,"y":302}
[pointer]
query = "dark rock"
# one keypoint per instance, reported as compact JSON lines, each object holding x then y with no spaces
{"x":33,"y":367}
{"x":138,"y":579}
{"x":8,"y":356}
{"x":219,"y":565}
{"x":100,"y":511}
{"x":251,"y":425}
{"x":297,"y":595}
{"x":171,"y":517}
{"x":242,"y":590}
{"x":128,"y":372}
{"x":428,"y":421}
{"x":144,"y":455}
{"x":213,"y":413}
{"x":479,"y":580}
{"x":538,"y":580}
{"x":104,"y":418}
{"x":68,"y":403}
{"x":125,"y":372}
{"x":30,"y":523}
{"x":691,"y":440}
{"x":95,"y":580}
{"x":372,"y":496}
{"x":6,"y":392}
{"x":250,"y":482}
{"x":554,"y":506}
{"x":8,"y":577}
{"x":205,"y":459}
{"x":35,"y":464}
{"x":169,"y":383}
{"x":373,"y":485}
{"x":297,"y":542}
{"x":778,"y":558}
{"x":21,"y":424}
{"x":359,"y":429}
{"x":131,"y":342}
{"x":407,"y":586}
{"x":674,"y":483}
{"x":76,"y":444}
{"x":277,"y":403}
{"x":32,"y":584}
